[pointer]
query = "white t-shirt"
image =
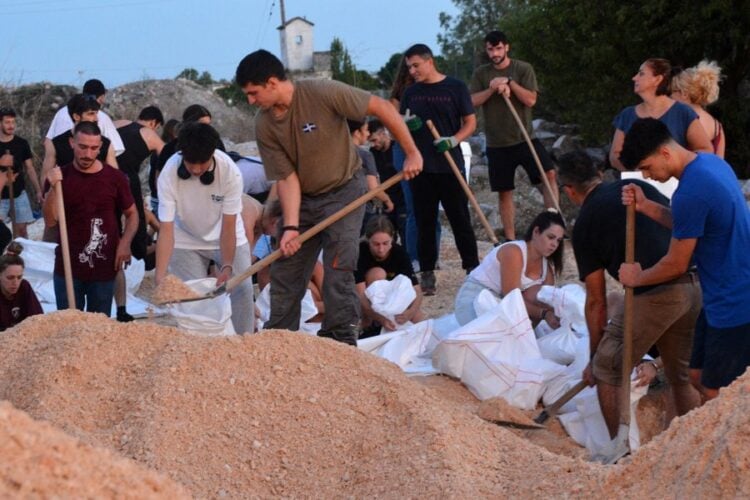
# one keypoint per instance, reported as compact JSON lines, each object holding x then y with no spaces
{"x":195,"y":208}
{"x":62,"y":123}
{"x":487,"y":273}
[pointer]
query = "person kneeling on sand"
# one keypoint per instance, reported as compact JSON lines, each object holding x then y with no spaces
{"x":381,"y":259}
{"x":526,"y":264}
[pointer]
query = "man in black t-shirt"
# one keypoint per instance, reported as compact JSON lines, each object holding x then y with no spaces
{"x":664,"y":314}
{"x":17,"y":154}
{"x":381,"y":147}
{"x":446,"y":101}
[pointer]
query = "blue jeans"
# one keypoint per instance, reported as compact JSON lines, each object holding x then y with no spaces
{"x":95,"y":295}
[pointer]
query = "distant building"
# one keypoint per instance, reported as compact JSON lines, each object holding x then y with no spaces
{"x":297,"y":54}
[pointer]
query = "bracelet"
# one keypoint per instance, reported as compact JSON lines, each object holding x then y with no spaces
{"x":290,"y":228}
{"x":231,"y":269}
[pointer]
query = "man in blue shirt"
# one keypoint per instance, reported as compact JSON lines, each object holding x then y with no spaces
{"x":711,"y":225}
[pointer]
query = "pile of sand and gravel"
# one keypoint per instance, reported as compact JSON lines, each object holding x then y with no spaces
{"x":285,"y":414}
{"x":39,"y":461}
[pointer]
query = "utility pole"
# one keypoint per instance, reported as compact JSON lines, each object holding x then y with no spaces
{"x":283,"y":12}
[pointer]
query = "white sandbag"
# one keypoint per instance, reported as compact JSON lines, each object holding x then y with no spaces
{"x":586,"y":424}
{"x":39,"y":257}
{"x":391,"y":297}
{"x":485,"y":301}
{"x":308,"y":309}
{"x":497,"y":355}
{"x":559,"y":346}
{"x":209,"y":317}
{"x":559,"y":385}
{"x":134,"y":275}
{"x":569,"y":302}
{"x":401,"y":347}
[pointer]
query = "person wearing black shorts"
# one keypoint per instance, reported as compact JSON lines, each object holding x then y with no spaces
{"x":506,"y":146}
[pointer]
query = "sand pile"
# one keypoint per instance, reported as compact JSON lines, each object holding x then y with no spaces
{"x":279,"y":414}
{"x":705,"y":454}
{"x":39,"y":461}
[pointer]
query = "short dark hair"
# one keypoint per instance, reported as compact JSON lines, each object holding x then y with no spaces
{"x":542,"y":222}
{"x":197,"y":141}
{"x":94,"y":87}
{"x":576,"y":169}
{"x":7,"y":112}
{"x":496,"y":37}
{"x":80,"y":103}
{"x":375,"y":125}
{"x":195,"y":112}
{"x":258,"y":67}
{"x":418,"y":49}
{"x":354,"y":125}
{"x":151,"y":113}
{"x":171,"y":129}
{"x":88,"y":128}
{"x":643,"y":139}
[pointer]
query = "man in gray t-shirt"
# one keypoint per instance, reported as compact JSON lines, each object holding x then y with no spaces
{"x":305,"y":145}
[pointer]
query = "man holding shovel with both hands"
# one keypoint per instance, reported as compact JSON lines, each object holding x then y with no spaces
{"x":491,"y":83}
{"x":664,"y":313}
{"x":304,"y":140}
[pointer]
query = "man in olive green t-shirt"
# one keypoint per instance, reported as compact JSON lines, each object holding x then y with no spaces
{"x":506,"y":147}
{"x":306,"y":148}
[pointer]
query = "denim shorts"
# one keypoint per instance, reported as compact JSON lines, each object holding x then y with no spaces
{"x":24,"y":215}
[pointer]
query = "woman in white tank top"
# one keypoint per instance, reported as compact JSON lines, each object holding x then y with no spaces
{"x":526,"y":264}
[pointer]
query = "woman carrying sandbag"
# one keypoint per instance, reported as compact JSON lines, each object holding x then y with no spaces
{"x":381,"y":259}
{"x":526,"y":264}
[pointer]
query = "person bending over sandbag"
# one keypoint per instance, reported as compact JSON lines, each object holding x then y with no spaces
{"x":381,"y":259}
{"x":526,"y":264}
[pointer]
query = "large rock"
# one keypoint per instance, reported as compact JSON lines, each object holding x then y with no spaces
{"x":172,"y":97}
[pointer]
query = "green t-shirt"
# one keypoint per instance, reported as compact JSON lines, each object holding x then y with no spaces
{"x":312,"y":138}
{"x":500,"y":127}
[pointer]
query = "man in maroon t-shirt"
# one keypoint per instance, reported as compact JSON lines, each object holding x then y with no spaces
{"x":94,"y":195}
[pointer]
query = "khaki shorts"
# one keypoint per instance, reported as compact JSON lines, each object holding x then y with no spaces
{"x":664,"y":316}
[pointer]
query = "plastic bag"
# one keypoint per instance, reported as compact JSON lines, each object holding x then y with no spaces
{"x":308,"y":309}
{"x":210,"y":317}
{"x":390,"y":298}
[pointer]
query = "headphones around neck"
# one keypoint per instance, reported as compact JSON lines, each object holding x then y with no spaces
{"x":206,"y":177}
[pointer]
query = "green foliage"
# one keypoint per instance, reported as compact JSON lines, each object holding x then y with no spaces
{"x":586,"y":51}
{"x":205,"y":79}
{"x":387,"y":73}
{"x":344,"y":70}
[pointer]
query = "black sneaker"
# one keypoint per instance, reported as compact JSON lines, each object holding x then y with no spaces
{"x":124,"y":317}
{"x":429,"y":283}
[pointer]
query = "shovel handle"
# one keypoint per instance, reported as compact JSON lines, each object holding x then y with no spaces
{"x":317,"y":228}
{"x":533,"y":153}
{"x":465,"y":187}
{"x":552,"y":409}
{"x":64,"y":246}
{"x":627,"y":340}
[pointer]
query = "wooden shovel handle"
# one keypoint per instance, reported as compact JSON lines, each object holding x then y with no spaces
{"x":64,"y":247}
{"x":317,"y":228}
{"x":465,"y":186}
{"x":627,"y":340}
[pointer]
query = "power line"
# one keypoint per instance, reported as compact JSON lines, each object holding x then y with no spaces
{"x":98,"y":5}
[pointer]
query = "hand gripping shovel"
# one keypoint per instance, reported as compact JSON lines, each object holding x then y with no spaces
{"x":275,"y":255}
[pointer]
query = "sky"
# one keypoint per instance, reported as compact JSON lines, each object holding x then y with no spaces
{"x":120,"y":41}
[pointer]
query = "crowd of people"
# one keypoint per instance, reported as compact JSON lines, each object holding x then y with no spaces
{"x":323,"y":144}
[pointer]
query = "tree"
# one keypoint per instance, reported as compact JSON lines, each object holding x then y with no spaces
{"x":188,"y":74}
{"x":586,"y":51}
{"x":344,"y":70}
{"x":387,"y":73}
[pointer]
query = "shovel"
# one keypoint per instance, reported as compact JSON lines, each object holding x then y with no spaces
{"x":552,"y":409}
{"x":276,"y":254}
{"x":465,"y":186}
{"x":627,"y":340}
{"x":65,"y":248}
{"x":533,"y":153}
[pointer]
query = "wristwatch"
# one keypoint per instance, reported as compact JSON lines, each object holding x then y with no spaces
{"x":510,"y":79}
